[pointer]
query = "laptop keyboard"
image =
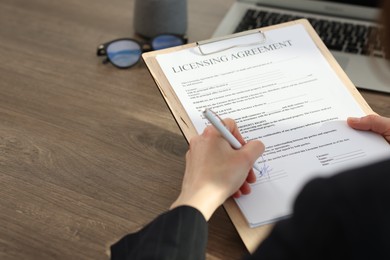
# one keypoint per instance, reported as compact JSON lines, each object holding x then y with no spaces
{"x":337,"y":36}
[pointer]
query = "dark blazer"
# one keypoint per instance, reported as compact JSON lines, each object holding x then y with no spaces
{"x":180,"y":233}
{"x":346,"y":216}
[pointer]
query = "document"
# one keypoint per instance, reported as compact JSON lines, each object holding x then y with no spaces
{"x":281,"y":90}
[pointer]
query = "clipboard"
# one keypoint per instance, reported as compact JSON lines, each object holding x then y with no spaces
{"x":251,"y":237}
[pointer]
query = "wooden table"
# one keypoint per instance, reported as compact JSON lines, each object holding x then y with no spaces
{"x":89,"y":152}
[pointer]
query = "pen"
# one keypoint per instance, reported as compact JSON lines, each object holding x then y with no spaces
{"x":216,"y":121}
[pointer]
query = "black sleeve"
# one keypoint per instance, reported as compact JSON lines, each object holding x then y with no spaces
{"x":180,"y":233}
{"x":346,"y":216}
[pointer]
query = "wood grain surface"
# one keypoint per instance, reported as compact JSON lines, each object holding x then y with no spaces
{"x":89,"y":152}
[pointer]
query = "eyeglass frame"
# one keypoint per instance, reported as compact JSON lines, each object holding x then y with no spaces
{"x":145,"y":47}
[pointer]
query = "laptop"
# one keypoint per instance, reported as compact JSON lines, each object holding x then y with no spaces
{"x":349,"y":29}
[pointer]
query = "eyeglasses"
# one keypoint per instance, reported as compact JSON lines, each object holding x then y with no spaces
{"x":124,"y":53}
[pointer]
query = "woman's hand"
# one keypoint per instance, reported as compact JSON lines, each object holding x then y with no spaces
{"x":215,"y":171}
{"x":374,"y":123}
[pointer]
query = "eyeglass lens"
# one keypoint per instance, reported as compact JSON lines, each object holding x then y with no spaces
{"x":166,"y":41}
{"x":124,"y":53}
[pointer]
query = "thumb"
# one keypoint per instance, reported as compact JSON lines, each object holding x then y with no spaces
{"x":253,"y":150}
{"x":375,"y":123}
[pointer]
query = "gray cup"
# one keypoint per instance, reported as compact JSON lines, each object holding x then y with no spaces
{"x":153,"y":17}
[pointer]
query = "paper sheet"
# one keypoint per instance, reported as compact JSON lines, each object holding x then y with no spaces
{"x":283,"y":92}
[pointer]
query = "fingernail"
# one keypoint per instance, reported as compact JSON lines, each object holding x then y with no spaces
{"x":353,"y":119}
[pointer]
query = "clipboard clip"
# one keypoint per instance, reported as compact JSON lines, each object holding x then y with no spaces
{"x":200,"y":44}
